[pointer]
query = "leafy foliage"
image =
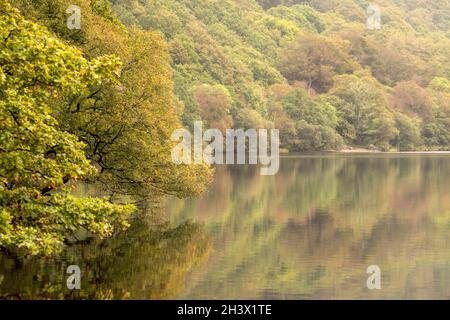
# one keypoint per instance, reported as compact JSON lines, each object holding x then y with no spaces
{"x":101,"y":110}
{"x":36,"y":156}
{"x":248,"y":47}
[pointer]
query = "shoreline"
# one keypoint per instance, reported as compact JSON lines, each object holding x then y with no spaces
{"x":358,"y":150}
{"x":362,"y":152}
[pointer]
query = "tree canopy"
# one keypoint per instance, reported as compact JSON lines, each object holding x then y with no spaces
{"x":93,"y":105}
{"x":247,"y":47}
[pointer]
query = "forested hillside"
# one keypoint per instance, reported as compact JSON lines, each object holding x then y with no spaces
{"x":310,"y":68}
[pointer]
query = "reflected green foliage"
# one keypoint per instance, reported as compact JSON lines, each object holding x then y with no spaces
{"x":149,"y":261}
{"x":309,"y":232}
{"x":312,"y":230}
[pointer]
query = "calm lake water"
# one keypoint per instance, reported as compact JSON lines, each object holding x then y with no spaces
{"x":309,"y":232}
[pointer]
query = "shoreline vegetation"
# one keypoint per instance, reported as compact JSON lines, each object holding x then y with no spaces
{"x":93,"y":104}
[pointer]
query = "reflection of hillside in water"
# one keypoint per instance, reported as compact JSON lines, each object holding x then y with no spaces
{"x":312,"y":230}
{"x":309,"y":232}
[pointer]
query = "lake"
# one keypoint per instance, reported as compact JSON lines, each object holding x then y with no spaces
{"x":309,"y":232}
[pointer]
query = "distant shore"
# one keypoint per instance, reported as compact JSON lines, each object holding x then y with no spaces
{"x":364,"y":150}
{"x":358,"y":150}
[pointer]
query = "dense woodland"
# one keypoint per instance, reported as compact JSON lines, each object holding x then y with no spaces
{"x":310,"y":68}
{"x":99,"y":104}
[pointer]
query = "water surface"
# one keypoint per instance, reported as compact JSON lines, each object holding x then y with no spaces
{"x":309,"y":232}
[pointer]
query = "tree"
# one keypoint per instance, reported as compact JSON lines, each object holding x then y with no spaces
{"x":316,"y":60}
{"x":436,"y":131}
{"x":315,"y":138}
{"x":279,"y":117}
{"x":126,"y":126}
{"x":344,"y":113}
{"x":37,"y":158}
{"x":408,"y":138}
{"x":366,"y":50}
{"x":314,"y":123}
{"x":215,"y":105}
{"x":299,"y":106}
{"x":369,"y":114}
{"x":408,"y":97}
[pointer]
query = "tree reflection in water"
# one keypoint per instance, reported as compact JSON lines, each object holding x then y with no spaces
{"x":312,"y":230}
{"x":146,"y":262}
{"x":309,"y":232}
